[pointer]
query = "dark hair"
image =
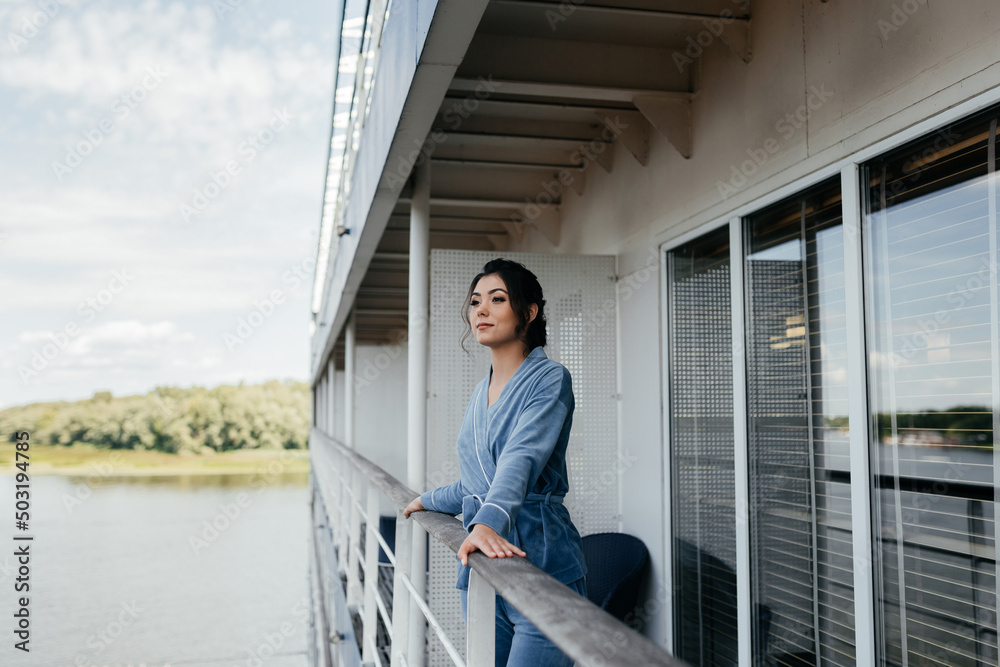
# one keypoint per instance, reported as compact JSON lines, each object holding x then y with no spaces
{"x":522,"y":290}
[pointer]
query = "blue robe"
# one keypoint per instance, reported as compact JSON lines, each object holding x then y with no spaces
{"x":512,"y":460}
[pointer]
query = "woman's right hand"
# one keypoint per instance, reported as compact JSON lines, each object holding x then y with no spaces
{"x":415,"y":506}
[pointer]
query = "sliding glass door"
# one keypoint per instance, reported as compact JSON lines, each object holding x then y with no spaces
{"x":931,"y":229}
{"x":800,"y":502}
{"x":700,"y":348}
{"x":925,"y":304}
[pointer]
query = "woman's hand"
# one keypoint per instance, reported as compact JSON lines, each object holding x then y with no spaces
{"x":415,"y":506}
{"x":485,"y":539}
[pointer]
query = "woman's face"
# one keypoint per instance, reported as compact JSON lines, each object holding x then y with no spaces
{"x":493,"y":321}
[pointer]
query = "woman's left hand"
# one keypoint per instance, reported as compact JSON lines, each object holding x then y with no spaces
{"x":485,"y":539}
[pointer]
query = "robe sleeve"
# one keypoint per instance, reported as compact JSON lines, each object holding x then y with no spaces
{"x":528,"y":449}
{"x":446,"y":499}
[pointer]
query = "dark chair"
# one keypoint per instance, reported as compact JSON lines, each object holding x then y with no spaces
{"x":616,"y":563}
{"x":707,"y":618}
{"x":387,"y":527}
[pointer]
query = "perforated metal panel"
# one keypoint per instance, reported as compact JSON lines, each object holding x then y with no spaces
{"x":581,"y":310}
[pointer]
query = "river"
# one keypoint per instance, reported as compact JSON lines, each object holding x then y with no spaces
{"x":180,"y":570}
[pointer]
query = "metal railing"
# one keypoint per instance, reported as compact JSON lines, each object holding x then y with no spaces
{"x":347,"y":488}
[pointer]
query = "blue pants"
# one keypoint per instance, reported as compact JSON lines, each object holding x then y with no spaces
{"x":518,"y":642}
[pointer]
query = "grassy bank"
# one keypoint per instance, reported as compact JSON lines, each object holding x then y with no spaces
{"x":83,"y":458}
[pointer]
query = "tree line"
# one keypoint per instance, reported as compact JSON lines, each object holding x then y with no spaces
{"x":273,"y":415}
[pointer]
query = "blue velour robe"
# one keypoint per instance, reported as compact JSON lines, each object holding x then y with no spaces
{"x":512,"y":459}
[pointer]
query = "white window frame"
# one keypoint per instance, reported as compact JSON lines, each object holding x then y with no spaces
{"x":848,"y":169}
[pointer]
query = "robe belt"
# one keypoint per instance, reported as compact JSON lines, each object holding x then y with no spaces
{"x":472,"y":504}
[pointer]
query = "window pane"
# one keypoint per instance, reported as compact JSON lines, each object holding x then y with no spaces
{"x":701,"y":442}
{"x":801,"y":553}
{"x":931,"y":239}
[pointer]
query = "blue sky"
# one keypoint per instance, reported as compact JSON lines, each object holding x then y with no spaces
{"x":162,"y":170}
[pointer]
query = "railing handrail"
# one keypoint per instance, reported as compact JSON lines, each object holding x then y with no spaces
{"x":581,"y":629}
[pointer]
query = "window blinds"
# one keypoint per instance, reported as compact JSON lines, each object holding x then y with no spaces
{"x":701,"y":451}
{"x":800,"y":520}
{"x":931,"y":247}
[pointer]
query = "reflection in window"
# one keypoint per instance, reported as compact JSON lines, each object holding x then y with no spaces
{"x":701,"y":451}
{"x":931,"y":241}
{"x":800,"y":519}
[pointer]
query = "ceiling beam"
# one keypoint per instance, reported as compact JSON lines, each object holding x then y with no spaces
{"x":604,"y":10}
{"x":565,"y":143}
{"x":633,"y":131}
{"x":391,"y":257}
{"x":671,"y":116}
{"x":495,"y":61}
{"x":558,"y":90}
{"x":448,"y":202}
{"x":496,"y":164}
{"x":534,"y":110}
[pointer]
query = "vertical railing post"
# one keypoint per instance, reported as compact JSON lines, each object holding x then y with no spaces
{"x":350,"y":350}
{"x":350,"y":357}
{"x":344,"y":513}
{"x":331,"y":399}
{"x":354,"y":539}
{"x":480,"y":648}
{"x":327,"y":407}
{"x":327,"y":421}
{"x":400,"y":596}
{"x":321,"y":629}
{"x":333,"y":512}
{"x":370,"y":618}
{"x":319,"y":406}
{"x":416,"y":379}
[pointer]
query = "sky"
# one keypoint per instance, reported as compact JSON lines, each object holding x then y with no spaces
{"x":161,"y":177}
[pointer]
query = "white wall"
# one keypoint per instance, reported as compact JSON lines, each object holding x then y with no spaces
{"x":338,"y":405}
{"x":869,"y":69}
{"x":641,"y":451}
{"x":380,"y":409}
{"x":873,"y":86}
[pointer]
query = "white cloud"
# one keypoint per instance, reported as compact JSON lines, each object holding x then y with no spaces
{"x":60,"y":240}
{"x":118,"y":334}
{"x":212,"y":91}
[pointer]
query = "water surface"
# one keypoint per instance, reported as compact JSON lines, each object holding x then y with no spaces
{"x":191,"y":570}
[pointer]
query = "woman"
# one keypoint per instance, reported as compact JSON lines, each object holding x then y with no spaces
{"x":512,"y":455}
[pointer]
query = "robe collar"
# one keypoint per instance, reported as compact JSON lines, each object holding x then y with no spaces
{"x":485,"y":412}
{"x":533,"y":357}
